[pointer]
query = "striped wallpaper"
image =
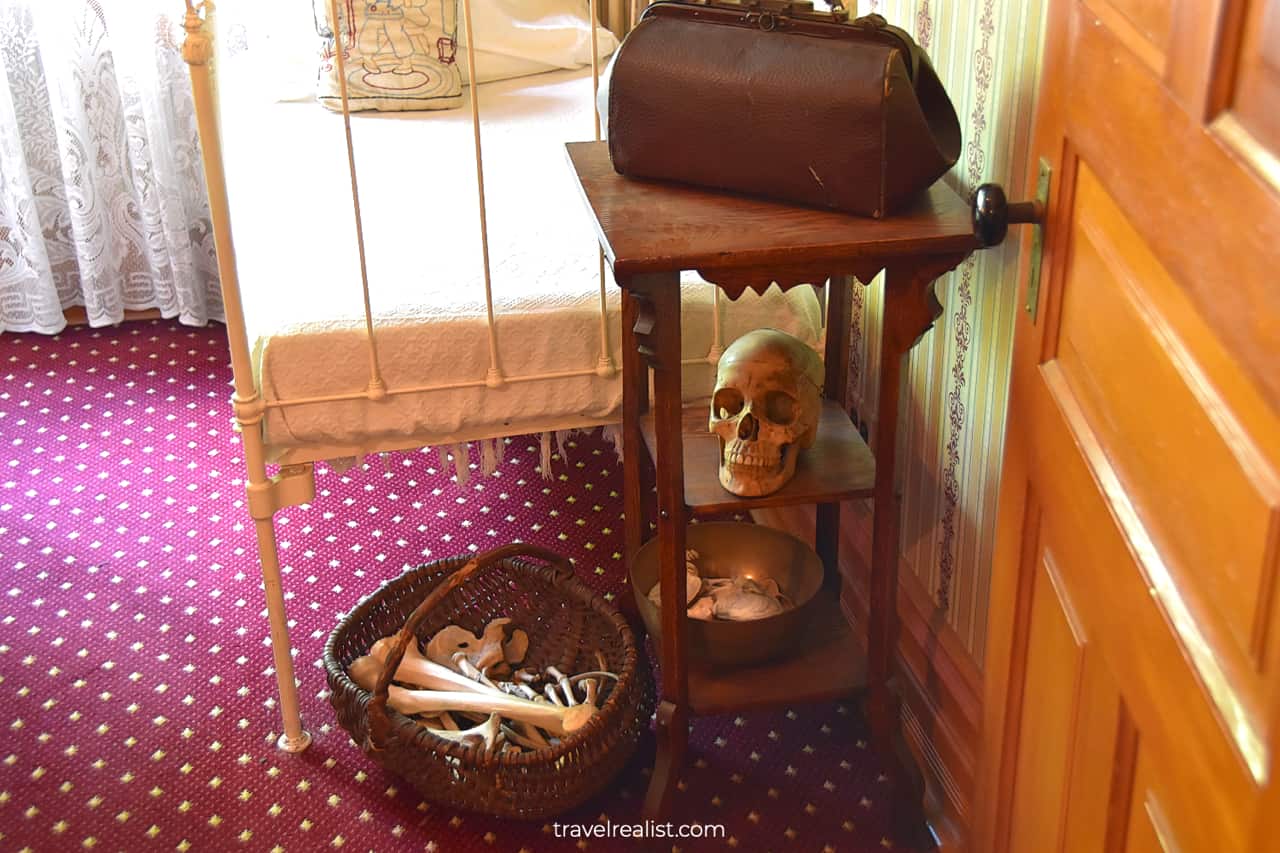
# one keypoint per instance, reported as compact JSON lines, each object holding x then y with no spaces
{"x":987,"y":52}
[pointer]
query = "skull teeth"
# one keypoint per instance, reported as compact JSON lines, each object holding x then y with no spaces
{"x":752,"y":458}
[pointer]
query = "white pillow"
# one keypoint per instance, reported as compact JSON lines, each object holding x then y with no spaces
{"x":602,"y":97}
{"x":519,"y":37}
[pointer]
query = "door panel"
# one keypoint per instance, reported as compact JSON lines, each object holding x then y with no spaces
{"x":1089,"y":809}
{"x":1257,"y":87}
{"x":1163,"y":425}
{"x":1209,"y":218}
{"x":1131,"y":694}
{"x":1054,"y":676}
{"x":1186,"y":714}
{"x":1065,"y":786}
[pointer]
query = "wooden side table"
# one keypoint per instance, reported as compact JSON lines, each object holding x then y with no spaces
{"x":650,"y":233}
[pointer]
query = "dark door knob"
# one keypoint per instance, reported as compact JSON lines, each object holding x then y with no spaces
{"x":993,"y":214}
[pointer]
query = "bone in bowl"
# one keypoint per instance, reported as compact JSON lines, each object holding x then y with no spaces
{"x":729,"y":549}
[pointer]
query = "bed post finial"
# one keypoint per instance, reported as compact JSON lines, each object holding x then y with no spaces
{"x":197,"y":47}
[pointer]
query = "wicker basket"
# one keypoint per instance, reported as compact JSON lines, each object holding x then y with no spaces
{"x":566,"y":623}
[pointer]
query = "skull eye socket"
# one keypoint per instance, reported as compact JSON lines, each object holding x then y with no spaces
{"x":780,"y":408}
{"x":727,"y":403}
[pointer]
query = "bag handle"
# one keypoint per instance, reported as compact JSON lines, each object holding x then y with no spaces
{"x":770,"y":13}
{"x":379,"y":722}
{"x":912,"y":52}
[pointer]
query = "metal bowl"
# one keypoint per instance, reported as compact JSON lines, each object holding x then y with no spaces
{"x":728,"y":549}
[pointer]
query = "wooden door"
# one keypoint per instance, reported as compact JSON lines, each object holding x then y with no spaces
{"x":1132,"y":696}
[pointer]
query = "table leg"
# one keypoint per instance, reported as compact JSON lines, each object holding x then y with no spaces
{"x":882,"y":708}
{"x":835,"y":387}
{"x":658,"y":337}
{"x":637,"y":481}
{"x":910,"y":308}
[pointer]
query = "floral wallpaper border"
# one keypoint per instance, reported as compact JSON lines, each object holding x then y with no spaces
{"x":956,"y":394}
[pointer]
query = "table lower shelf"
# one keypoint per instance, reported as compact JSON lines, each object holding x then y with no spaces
{"x":829,"y":663}
{"x":838,"y":467}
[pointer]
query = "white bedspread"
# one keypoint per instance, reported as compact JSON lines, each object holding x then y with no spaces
{"x":300,"y":280}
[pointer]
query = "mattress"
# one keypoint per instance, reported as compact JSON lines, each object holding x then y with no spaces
{"x":299,"y":272}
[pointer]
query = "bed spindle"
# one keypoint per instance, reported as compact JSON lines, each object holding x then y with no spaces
{"x":377,"y":389}
{"x":636,"y":10}
{"x":617,"y":14}
{"x":493,"y":378}
{"x":604,"y":367}
{"x":717,"y":334}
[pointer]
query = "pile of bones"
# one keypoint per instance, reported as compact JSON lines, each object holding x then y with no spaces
{"x":736,"y":599}
{"x":477,"y":679}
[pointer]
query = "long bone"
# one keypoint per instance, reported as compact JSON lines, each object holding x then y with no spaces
{"x":563,"y":681}
{"x":523,"y":733}
{"x":591,"y":684}
{"x":526,"y":735}
{"x":557,"y":720}
{"x":417,"y":670}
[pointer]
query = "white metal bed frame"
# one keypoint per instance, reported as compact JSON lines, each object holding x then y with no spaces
{"x":295,"y":482}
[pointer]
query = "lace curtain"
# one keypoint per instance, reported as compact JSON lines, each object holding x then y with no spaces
{"x":102,"y":198}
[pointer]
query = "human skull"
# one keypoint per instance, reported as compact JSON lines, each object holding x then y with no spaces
{"x":765,"y":409}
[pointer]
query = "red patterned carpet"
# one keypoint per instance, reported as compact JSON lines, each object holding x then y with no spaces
{"x":136,"y":693}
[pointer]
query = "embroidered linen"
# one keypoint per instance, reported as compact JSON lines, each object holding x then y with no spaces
{"x":399,"y":55}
